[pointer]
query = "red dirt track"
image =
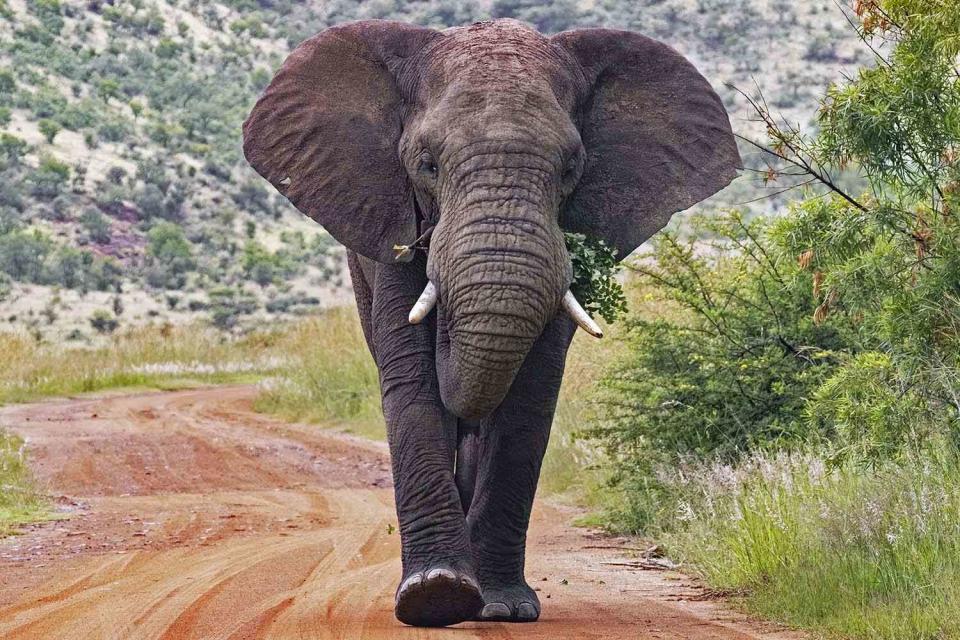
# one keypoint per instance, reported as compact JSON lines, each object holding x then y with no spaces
{"x":192,"y":517}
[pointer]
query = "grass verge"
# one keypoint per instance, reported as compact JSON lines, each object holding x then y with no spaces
{"x":20,"y":502}
{"x":146,"y":357}
{"x":848,"y":552}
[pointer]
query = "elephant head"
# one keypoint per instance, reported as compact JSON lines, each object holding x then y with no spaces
{"x":494,"y":138}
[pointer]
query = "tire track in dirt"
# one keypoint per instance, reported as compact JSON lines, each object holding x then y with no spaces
{"x":192,"y":517}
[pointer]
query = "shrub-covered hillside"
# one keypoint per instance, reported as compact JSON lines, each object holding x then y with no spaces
{"x":124,"y":198}
{"x":123,"y":195}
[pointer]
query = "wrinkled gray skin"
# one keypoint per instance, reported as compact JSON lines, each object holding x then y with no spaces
{"x":497,"y":137}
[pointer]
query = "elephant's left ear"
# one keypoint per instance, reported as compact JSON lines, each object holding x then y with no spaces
{"x":657,"y":137}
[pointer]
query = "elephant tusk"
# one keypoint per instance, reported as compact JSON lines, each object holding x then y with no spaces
{"x":580,"y":315}
{"x":427,"y":301}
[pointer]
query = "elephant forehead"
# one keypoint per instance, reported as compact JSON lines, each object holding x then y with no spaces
{"x":496,"y":56}
{"x":526,"y":117}
{"x":508,"y":99}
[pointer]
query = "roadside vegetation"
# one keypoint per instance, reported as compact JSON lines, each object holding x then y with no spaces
{"x":147,"y":357}
{"x":20,"y":501}
{"x":788,"y":421}
{"x":328,"y":376}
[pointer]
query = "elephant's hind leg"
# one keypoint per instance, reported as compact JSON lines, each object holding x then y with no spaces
{"x":511,"y":446}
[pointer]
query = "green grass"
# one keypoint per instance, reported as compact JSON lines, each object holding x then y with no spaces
{"x":20,"y":502}
{"x":847,"y":552}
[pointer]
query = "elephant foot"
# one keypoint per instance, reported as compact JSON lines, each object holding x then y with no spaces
{"x":437,"y":597}
{"x":516,"y":603}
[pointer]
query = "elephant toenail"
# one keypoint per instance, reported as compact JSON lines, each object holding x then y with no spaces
{"x":526,"y":611}
{"x":442,"y":574}
{"x":495,"y":610}
{"x":469,"y":582}
{"x":413,"y":582}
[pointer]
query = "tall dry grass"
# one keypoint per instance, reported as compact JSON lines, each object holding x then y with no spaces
{"x":20,"y":502}
{"x":328,"y":375}
{"x":849,"y":551}
{"x":144,"y":357}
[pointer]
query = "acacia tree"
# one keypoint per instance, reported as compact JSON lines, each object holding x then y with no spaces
{"x":839,"y":322}
{"x":889,"y":258}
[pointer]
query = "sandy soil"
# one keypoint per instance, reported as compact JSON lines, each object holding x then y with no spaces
{"x":190,"y":516}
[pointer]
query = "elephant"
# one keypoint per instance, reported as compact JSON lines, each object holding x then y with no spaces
{"x":450,"y":163}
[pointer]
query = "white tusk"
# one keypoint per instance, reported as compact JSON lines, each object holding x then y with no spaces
{"x":427,"y":301}
{"x":580,"y":315}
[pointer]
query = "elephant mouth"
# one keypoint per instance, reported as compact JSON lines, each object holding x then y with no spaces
{"x":428,"y":300}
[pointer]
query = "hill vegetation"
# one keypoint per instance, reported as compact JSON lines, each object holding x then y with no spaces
{"x":124,"y":199}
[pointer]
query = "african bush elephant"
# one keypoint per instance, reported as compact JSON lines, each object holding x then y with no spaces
{"x":482,"y":143}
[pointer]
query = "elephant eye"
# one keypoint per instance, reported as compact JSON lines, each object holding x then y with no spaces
{"x":428,"y":165}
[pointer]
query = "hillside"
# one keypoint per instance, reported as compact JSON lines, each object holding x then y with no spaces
{"x":124,"y":198}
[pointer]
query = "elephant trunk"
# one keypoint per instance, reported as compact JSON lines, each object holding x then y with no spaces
{"x":503,"y":272}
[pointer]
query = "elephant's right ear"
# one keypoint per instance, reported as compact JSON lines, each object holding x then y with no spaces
{"x":325,"y":133}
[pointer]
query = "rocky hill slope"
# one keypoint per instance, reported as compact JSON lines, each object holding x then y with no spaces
{"x":124,"y":198}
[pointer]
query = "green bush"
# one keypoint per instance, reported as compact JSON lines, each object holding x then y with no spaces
{"x":49,"y":12}
{"x":96,"y":225}
{"x":49,"y":179}
{"x":113,"y":130}
{"x":725,"y":363}
{"x":103,"y":322}
{"x":12,"y":149}
{"x":251,"y":25}
{"x":254,"y":198}
{"x":264,"y":267}
{"x":22,"y":255}
{"x":8,"y":83}
{"x":169,"y":256}
{"x":108,"y":88}
{"x":49,"y":129}
{"x":80,"y":115}
{"x":151,"y":202}
{"x":228,"y":305}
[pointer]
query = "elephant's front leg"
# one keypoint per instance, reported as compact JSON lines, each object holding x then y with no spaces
{"x":511,"y":445}
{"x":439,"y":586}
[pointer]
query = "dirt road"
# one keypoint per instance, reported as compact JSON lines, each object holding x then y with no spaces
{"x":190,"y":516}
